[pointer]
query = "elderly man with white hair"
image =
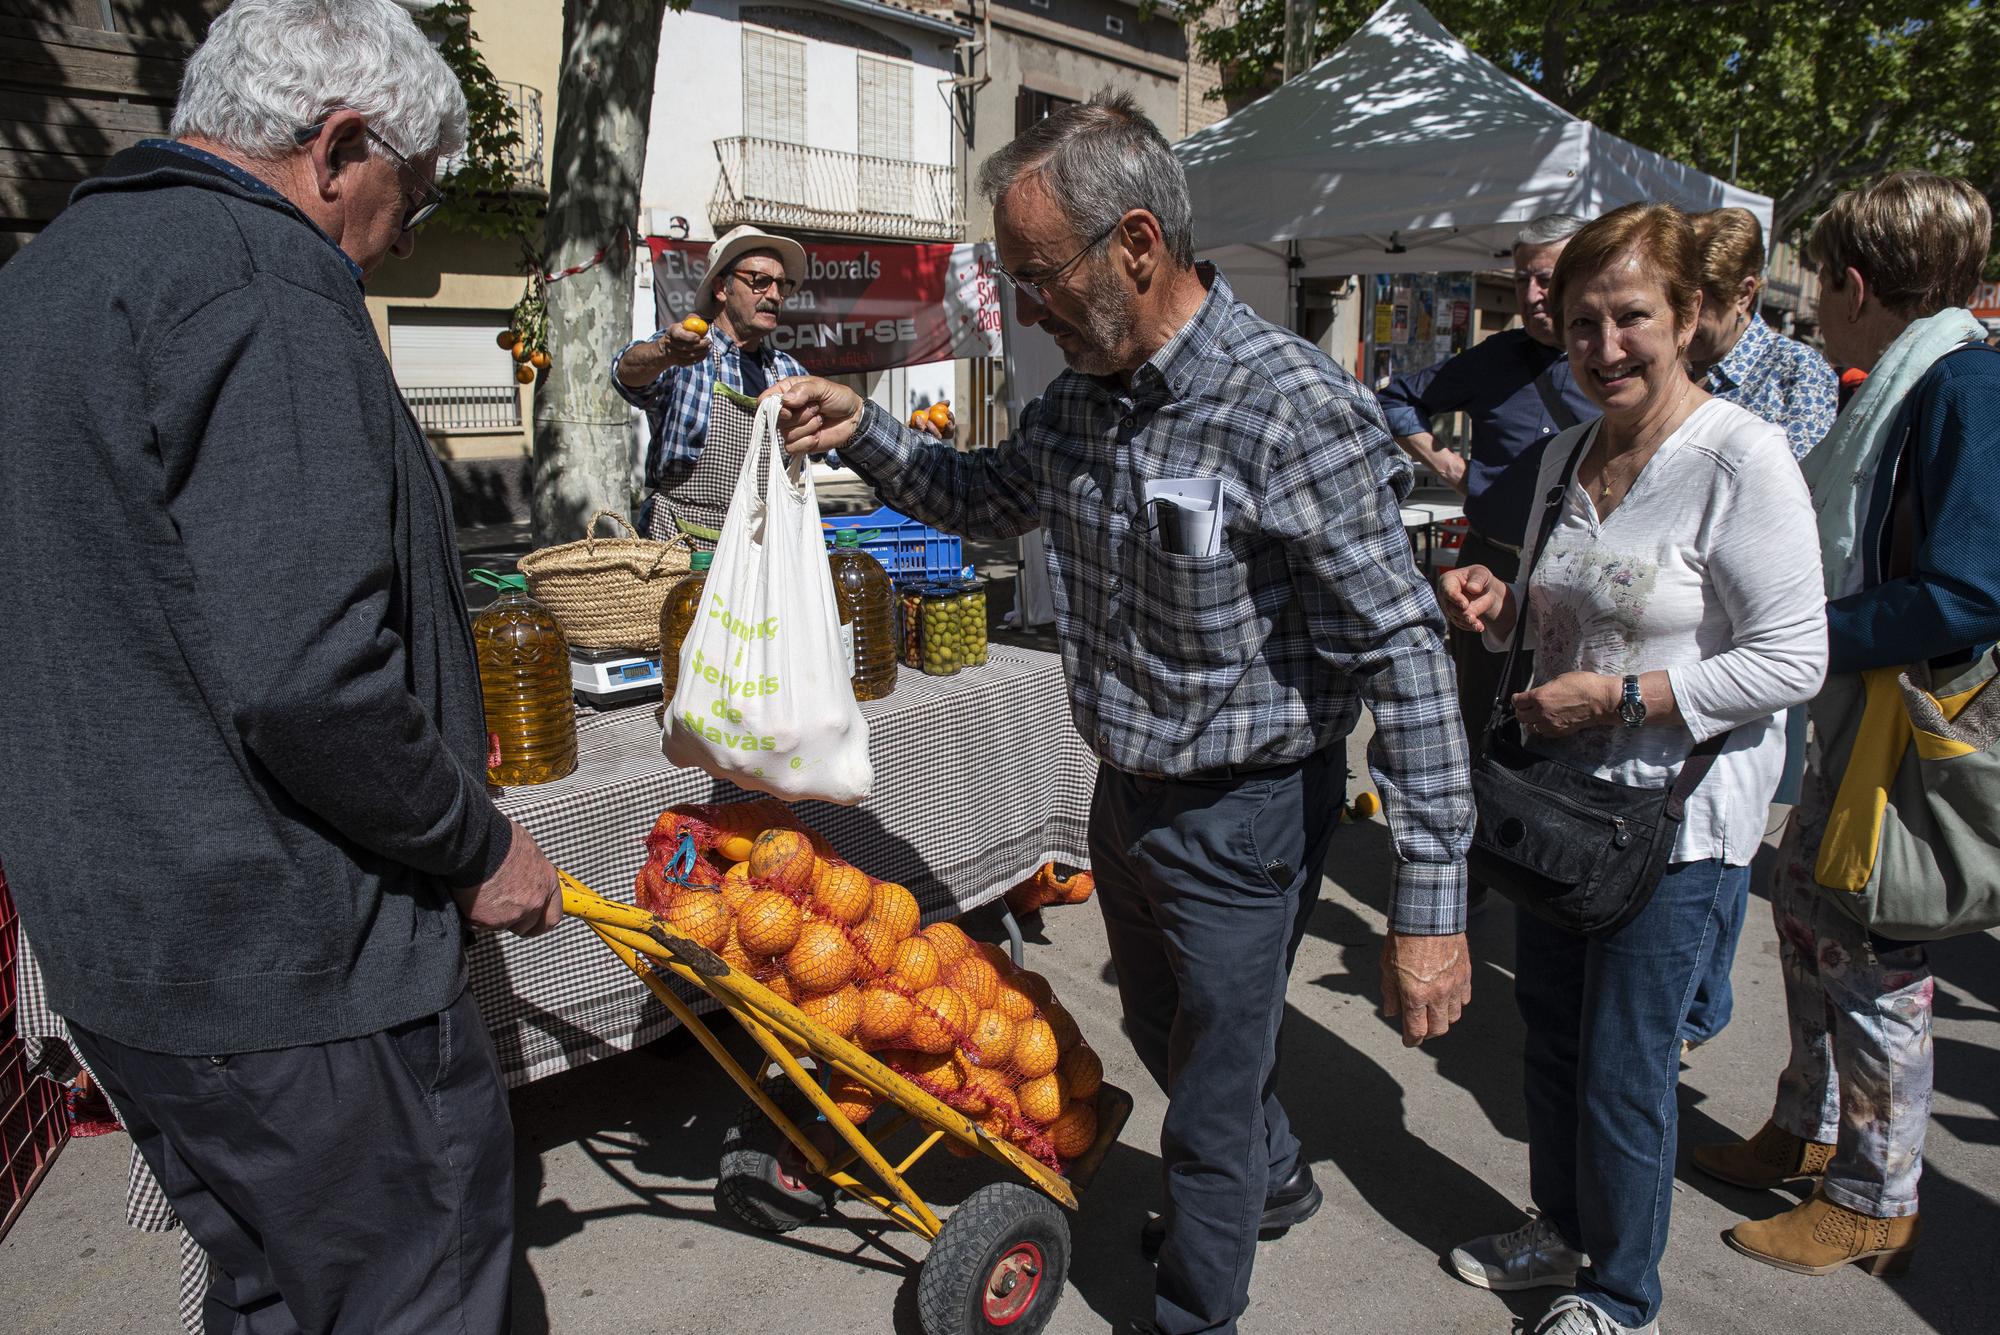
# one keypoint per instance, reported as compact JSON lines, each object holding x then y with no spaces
{"x":246,"y":817}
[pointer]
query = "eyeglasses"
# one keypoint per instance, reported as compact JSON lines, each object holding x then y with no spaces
{"x":1034,"y":289}
{"x":428,"y":195}
{"x":760,"y":283}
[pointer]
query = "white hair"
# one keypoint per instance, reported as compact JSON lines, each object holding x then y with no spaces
{"x":270,"y":68}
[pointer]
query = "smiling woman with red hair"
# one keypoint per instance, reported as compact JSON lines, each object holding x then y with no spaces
{"x":1675,"y":599}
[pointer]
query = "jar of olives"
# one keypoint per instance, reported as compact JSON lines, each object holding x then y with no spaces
{"x":909,"y":621}
{"x":942,"y":637}
{"x":971,"y":594}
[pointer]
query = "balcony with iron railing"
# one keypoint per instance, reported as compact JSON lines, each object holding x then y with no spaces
{"x":770,"y":182}
{"x":524,"y":159}
{"x":464,"y":407}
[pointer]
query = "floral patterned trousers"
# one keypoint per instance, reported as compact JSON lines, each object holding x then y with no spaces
{"x":1860,"y":1008}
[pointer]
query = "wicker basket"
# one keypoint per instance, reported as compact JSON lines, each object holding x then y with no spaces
{"x":607,"y":592}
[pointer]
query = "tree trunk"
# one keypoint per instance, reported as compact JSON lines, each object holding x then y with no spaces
{"x":583,"y":440}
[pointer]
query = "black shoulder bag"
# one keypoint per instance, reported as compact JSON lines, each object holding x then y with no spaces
{"x":1581,"y":852}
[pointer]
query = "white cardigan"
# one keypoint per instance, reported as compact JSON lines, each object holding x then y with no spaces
{"x":1709,"y":569}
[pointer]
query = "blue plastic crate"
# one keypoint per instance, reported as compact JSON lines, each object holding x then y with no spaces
{"x":906,"y":548}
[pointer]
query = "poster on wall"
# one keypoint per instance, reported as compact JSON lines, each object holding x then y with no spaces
{"x":1420,"y":320}
{"x":864,"y":306}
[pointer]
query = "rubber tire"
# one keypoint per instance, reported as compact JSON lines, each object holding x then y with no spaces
{"x":750,"y":1182}
{"x":992,"y":1221}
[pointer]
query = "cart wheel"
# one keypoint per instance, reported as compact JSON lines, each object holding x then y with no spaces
{"x":763,"y":1180}
{"x":998,"y":1265}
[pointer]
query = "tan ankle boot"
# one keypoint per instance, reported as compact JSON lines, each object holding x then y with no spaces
{"x":1819,"y":1237}
{"x":1769,"y":1159}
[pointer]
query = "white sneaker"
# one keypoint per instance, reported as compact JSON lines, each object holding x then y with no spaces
{"x":1571,"y":1315}
{"x":1533,"y":1256}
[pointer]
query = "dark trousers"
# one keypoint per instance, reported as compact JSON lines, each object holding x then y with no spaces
{"x":365,"y":1185}
{"x":1603,"y":1018}
{"x":1206,"y":888}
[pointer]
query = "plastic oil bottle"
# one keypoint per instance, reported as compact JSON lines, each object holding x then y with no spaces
{"x":524,"y":674}
{"x":867,"y":602}
{"x":677,"y":616}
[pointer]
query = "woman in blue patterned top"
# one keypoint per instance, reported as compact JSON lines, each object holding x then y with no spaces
{"x":1736,"y":356}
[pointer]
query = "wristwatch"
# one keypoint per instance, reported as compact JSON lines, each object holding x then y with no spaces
{"x":1632,"y":705}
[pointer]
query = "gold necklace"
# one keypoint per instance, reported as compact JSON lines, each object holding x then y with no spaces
{"x":1604,"y":469}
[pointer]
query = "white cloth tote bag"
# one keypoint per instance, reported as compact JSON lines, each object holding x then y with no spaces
{"x":764,"y":698}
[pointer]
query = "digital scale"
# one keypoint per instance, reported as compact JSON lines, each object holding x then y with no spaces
{"x":608,"y":678}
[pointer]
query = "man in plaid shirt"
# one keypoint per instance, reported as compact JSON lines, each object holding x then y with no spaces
{"x":1218,"y":690}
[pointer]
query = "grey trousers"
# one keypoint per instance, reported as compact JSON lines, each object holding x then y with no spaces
{"x":365,"y":1185}
{"x":1206,"y":888}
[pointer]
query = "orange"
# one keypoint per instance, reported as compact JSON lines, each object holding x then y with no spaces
{"x":948,"y":939}
{"x":984,"y":1090}
{"x":737,"y":889}
{"x":822,"y":960}
{"x":940,"y":414}
{"x":1036,"y":986}
{"x":768,"y":923}
{"x":785,"y":858}
{"x":733,"y":847}
{"x":935,"y":1071}
{"x":1035,"y":1053}
{"x":508,"y":338}
{"x":701,"y":916}
{"x":734,"y":955}
{"x":991,"y":1041}
{"x":854,"y":1099}
{"x":521,"y":350}
{"x":1072,"y":1132}
{"x":838,"y":1010}
{"x":894,"y":907}
{"x":651,"y":891}
{"x":840,"y":894}
{"x":1083,"y":1069}
{"x":885,"y":1016}
{"x":972,"y":975}
{"x":779,"y":986}
{"x":539,"y":360}
{"x":917,"y":419}
{"x":1064,"y":1025}
{"x":694,"y":324}
{"x":997,"y":956}
{"x":1012,"y":1002}
{"x":1042,"y":1099}
{"x":915,"y":963}
{"x":524,"y":375}
{"x":939,"y":1020}
{"x":877,"y":946}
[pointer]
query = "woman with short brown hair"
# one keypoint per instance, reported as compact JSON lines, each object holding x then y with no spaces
{"x":1676,"y":599}
{"x":1908,"y":521}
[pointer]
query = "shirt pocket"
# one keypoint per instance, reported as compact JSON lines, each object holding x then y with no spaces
{"x":1191,"y":612}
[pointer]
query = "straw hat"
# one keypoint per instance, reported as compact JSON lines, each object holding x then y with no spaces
{"x":740,"y":241}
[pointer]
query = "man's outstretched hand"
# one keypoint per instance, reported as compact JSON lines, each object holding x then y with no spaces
{"x":817,"y":415}
{"x":1427,"y":980}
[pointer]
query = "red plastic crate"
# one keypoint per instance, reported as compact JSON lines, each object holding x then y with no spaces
{"x":34,"y":1123}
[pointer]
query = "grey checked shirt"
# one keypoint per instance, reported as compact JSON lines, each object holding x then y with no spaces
{"x":1187,"y":666}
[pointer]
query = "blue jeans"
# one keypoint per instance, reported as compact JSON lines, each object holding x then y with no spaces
{"x":1603,"y":1020}
{"x":1714,"y":999}
{"x":1205,"y":888}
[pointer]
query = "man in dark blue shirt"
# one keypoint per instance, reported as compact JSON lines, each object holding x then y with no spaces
{"x":1517,"y":389}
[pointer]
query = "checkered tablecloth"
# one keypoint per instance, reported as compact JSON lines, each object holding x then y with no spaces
{"x":979,"y":779}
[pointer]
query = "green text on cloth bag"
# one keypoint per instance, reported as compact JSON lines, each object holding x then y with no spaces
{"x":1912,"y":845}
{"x":763,"y":698}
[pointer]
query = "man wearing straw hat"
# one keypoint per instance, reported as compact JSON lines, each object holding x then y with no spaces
{"x":241,"y":735}
{"x":672,"y":375}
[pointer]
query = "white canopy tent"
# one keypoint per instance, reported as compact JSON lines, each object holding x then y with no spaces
{"x":1403,"y":152}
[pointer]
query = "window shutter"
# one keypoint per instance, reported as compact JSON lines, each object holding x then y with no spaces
{"x":433,"y":347}
{"x":774,"y":87}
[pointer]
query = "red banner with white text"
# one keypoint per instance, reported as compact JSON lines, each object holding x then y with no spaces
{"x":864,"y":306}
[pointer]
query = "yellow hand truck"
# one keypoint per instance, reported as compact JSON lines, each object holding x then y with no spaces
{"x":996,"y":1264}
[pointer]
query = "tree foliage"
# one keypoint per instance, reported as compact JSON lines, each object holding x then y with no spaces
{"x":1809,"y":96}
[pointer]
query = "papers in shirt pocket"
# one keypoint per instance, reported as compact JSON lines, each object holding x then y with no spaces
{"x":1185,"y":514}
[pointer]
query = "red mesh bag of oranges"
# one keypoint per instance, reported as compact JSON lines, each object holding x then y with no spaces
{"x":953,"y":1016}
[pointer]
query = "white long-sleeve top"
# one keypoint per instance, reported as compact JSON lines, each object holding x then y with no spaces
{"x":1709,"y":569}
